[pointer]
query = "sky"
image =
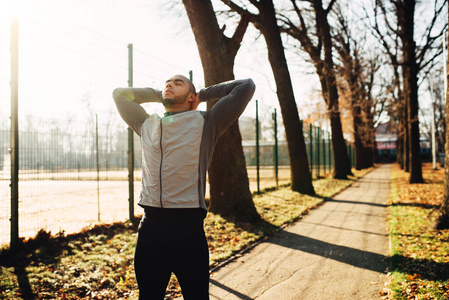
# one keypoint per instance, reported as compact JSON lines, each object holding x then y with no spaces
{"x":72,"y":54}
{"x":78,"y":49}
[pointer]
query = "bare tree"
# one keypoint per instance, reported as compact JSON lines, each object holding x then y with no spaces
{"x":358,"y":72}
{"x":265,"y":21}
{"x":406,"y":12}
{"x":228,"y":178}
{"x":389,"y":39}
{"x":415,"y":56}
{"x":440,"y":116}
{"x":442,"y":221}
{"x":316,"y":40}
{"x":436,"y":89}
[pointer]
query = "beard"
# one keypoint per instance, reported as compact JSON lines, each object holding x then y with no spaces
{"x":180,"y":99}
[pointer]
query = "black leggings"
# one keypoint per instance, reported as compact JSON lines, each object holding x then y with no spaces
{"x":172,"y":240}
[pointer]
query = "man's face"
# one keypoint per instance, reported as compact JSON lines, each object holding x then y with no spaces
{"x":176,"y":91}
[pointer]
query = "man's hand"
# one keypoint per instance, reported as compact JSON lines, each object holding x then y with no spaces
{"x":196,"y":101}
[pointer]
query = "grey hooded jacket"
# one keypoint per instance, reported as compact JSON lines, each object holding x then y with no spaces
{"x":177,"y":148}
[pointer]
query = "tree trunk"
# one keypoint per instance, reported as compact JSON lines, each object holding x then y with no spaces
{"x":229,"y":186}
{"x":342,"y":164}
{"x":301,"y":177}
{"x":363,"y":152}
{"x":325,"y":70}
{"x":401,"y":113}
{"x":351,"y":70}
{"x":371,"y":139}
{"x":400,"y":151}
{"x":403,"y":156}
{"x":406,"y":19}
{"x":400,"y":144}
{"x":442,"y":221}
{"x":358,"y":144}
{"x":406,"y":136}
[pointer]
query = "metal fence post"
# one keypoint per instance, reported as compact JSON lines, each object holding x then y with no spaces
{"x":329,"y":146}
{"x":324,"y":152}
{"x":14,"y":136}
{"x":349,"y":152}
{"x":353,"y":155}
{"x":311,"y":148}
{"x":318,"y":152}
{"x":98,"y":166}
{"x":257,"y":147}
{"x":130,"y":143}
{"x":276,"y":155}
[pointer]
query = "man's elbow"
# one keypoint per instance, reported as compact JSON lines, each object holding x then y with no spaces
{"x":116,"y":93}
{"x":119,"y":94}
{"x":251,"y":86}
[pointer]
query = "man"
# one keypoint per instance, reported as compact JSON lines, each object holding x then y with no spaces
{"x":176,"y":152}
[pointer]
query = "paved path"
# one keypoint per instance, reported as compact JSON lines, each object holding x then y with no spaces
{"x":335,"y":252}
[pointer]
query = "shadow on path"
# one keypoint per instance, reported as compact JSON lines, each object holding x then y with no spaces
{"x":427,"y":269}
{"x":352,"y":256}
{"x":229,"y":290}
{"x":346,"y":229}
{"x":355,"y":202}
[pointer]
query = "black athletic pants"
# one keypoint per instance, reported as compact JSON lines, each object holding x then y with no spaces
{"x":172,"y":240}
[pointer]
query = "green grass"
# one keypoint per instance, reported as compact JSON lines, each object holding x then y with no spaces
{"x":420,"y":254}
{"x":97,"y":263}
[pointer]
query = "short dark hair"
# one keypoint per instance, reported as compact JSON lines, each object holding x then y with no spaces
{"x":192,"y":88}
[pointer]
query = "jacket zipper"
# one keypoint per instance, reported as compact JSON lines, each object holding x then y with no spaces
{"x":160,"y":167}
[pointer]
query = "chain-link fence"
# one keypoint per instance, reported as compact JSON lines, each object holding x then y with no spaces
{"x":72,"y":144}
{"x":61,"y":189}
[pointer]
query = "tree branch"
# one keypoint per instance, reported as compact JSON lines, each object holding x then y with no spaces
{"x":381,"y":37}
{"x":329,"y":7}
{"x":237,"y":38}
{"x":241,"y":11}
{"x":430,"y":40}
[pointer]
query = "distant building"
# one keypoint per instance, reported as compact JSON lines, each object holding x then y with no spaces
{"x":386,"y":142}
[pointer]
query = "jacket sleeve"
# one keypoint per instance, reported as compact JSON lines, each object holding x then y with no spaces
{"x":233,"y":98}
{"x":128,"y":102}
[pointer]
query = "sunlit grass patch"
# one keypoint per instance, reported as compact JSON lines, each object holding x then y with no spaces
{"x":420,"y":254}
{"x":8,"y":283}
{"x":94,"y":264}
{"x":284,"y":205}
{"x":226,"y":238}
{"x":328,"y":187}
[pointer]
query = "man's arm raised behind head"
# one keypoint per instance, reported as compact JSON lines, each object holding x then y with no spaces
{"x":128,"y":102}
{"x":234,"y":96}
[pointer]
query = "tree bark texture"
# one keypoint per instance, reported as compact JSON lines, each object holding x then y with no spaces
{"x":342,"y":164}
{"x":442,"y":221}
{"x":403,"y":135}
{"x":361,"y":103}
{"x":266,"y":23}
{"x":363,"y":147}
{"x":406,"y":21}
{"x":325,"y":70}
{"x":230,"y":195}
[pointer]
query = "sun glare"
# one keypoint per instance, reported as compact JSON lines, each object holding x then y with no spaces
{"x":12,"y":10}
